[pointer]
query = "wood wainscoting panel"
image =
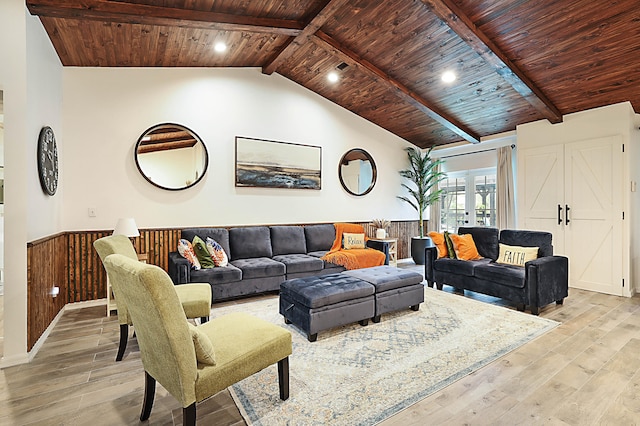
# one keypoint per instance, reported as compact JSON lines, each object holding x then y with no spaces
{"x":88,"y":280}
{"x":87,"y":277}
{"x":46,"y":268}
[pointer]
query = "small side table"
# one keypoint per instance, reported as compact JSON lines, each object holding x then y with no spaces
{"x":111,"y":301}
{"x":393,"y":249}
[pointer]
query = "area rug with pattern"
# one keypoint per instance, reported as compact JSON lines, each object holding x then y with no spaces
{"x":355,"y":375}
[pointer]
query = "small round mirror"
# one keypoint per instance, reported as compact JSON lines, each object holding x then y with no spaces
{"x":171,"y":156}
{"x":357,"y":172}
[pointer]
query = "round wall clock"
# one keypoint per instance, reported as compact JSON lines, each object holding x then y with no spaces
{"x":48,"y":161}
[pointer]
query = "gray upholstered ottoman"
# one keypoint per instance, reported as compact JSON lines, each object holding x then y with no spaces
{"x":395,"y":288}
{"x":322,"y":302}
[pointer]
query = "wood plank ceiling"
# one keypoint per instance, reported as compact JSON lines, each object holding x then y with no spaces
{"x":516,"y":61}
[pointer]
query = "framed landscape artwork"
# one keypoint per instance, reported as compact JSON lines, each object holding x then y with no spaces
{"x":271,"y":164}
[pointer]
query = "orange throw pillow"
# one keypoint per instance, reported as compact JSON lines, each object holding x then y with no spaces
{"x":465,"y":247}
{"x":438,"y":240}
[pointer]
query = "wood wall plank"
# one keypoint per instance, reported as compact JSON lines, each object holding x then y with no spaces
{"x":46,"y":268}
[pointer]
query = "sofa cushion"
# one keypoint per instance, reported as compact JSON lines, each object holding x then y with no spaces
{"x":287,"y":240}
{"x":296,"y":263}
{"x":353,"y":241}
{"x":441,"y":245}
{"x":217,"y":253}
{"x":221,"y":235}
{"x":507,"y":275}
{"x":516,"y":255}
{"x":259,"y":267}
{"x":539,"y":239}
{"x":465,"y":247}
{"x":486,"y":240}
{"x":250,"y":242}
{"x":458,"y":267}
{"x":319,"y":237}
{"x":451,"y":251}
{"x":218,"y":275}
{"x":185,"y":249}
{"x":204,"y":257}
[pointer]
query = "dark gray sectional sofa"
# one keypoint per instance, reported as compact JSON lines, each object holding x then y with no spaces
{"x":261,"y":257}
{"x":540,"y":282}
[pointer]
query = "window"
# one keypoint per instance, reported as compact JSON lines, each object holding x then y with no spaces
{"x":468,"y":199}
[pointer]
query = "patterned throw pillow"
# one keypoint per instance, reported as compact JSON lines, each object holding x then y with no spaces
{"x":200,"y":248}
{"x":451,"y":251}
{"x":217,"y":252}
{"x":352,"y":241}
{"x":186,"y":250}
{"x":516,"y":255}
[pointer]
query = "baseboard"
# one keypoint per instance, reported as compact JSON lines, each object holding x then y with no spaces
{"x":10,"y":361}
{"x":27,"y":357}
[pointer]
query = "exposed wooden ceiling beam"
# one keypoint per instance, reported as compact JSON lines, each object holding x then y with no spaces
{"x":129,"y":13}
{"x":455,"y":19}
{"x":314,"y":25}
{"x":401,"y":90}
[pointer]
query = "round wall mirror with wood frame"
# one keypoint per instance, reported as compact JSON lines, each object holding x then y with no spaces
{"x":357,"y":172}
{"x":171,"y":156}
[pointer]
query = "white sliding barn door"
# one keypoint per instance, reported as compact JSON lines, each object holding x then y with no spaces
{"x":542,"y":191}
{"x":593,"y":192}
{"x":587,"y":178}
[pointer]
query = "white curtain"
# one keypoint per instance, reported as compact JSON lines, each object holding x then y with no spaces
{"x":434,"y":212}
{"x":505,"y":197}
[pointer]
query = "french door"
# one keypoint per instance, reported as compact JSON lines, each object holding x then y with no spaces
{"x":469,"y":199}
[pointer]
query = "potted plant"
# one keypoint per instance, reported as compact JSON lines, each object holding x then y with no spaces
{"x":424,"y":176}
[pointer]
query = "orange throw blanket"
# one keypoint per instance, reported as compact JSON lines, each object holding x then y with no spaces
{"x":353,"y":258}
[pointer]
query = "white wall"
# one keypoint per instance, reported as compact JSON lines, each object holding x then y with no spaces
{"x":106,"y":110}
{"x":30,"y":77}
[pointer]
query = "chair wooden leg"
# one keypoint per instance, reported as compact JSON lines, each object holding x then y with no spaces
{"x":149,"y":394}
{"x":189,"y":415}
{"x":124,"y":336}
{"x":283,"y":378}
{"x":203,"y":320}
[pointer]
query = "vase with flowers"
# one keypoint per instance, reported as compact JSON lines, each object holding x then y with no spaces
{"x":381,"y":226}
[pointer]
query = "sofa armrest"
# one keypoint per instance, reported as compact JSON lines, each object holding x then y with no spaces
{"x":547,"y":279}
{"x":382,"y":246}
{"x":430,"y":256}
{"x":179,"y":268}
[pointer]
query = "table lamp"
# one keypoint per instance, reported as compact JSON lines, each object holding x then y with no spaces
{"x":126,"y":226}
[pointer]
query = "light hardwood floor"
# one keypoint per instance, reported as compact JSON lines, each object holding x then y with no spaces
{"x":583,"y":372}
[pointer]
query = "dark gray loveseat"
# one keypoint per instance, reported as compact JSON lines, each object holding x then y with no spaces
{"x":260,"y":258}
{"x":541,"y":281}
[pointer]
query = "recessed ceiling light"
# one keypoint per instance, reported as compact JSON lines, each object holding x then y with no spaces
{"x":448,"y":77}
{"x":220,"y":47}
{"x":332,"y":77}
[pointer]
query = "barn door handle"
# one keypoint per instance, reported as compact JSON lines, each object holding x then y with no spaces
{"x":566,"y":214}
{"x":559,"y":214}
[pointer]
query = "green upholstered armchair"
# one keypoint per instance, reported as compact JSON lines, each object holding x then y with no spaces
{"x":179,"y":355}
{"x":195,"y":297}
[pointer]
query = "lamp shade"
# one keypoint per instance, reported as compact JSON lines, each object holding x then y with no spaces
{"x":126,"y":226}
